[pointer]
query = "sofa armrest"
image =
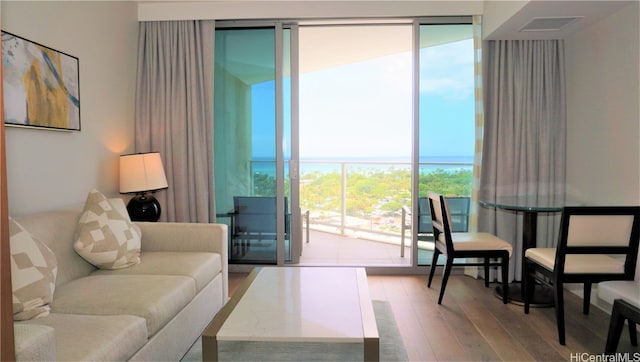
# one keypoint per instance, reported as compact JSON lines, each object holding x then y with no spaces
{"x":170,"y":236}
{"x":173,"y":236}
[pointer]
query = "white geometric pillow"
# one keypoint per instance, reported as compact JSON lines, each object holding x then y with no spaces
{"x":104,"y":237}
{"x":33,"y":274}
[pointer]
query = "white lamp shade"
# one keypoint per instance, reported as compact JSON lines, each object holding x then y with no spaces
{"x":142,"y":172}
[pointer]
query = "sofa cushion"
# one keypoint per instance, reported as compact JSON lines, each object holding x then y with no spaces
{"x":200,"y":266}
{"x":55,"y":228}
{"x":34,"y":342}
{"x":628,"y":290}
{"x":105,"y":237}
{"x":33,"y":274}
{"x":95,"y":338}
{"x":156,"y":298}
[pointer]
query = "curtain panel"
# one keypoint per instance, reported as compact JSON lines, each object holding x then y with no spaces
{"x":524,"y":143}
{"x":174,"y":113}
{"x":479,"y":121}
{"x":473,"y":271}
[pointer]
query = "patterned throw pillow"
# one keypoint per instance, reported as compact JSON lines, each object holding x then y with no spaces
{"x":104,"y":237}
{"x":33,"y":274}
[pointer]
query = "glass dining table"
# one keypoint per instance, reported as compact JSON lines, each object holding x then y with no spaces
{"x":530,"y":207}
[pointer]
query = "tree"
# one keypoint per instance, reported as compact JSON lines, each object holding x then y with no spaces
{"x":369,"y":189}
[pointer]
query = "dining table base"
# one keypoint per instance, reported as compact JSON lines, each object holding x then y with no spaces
{"x":542,"y":295}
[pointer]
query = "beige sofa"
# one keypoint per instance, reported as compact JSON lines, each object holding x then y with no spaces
{"x":152,"y":311}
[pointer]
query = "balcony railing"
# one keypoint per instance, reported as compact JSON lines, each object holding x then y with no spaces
{"x":365,"y":198}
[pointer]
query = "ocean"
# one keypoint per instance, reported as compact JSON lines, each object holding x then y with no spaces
{"x":427,"y":164}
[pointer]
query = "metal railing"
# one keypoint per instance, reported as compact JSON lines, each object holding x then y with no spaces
{"x":376,"y":224}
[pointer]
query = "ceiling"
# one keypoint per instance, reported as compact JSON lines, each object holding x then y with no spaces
{"x":355,"y":47}
{"x":249,"y":53}
{"x":584,"y":13}
{"x":507,"y":17}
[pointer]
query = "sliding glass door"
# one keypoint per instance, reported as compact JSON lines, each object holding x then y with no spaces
{"x":355,"y":137}
{"x":353,"y":121}
{"x":446,"y":124}
{"x":252,"y":180}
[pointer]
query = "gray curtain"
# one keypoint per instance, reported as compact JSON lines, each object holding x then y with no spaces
{"x":174,"y":113}
{"x":524,"y":140}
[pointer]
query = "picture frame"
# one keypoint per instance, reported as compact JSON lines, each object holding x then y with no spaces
{"x":41,"y":85}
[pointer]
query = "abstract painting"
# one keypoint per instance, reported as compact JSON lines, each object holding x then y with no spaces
{"x":41,"y":85}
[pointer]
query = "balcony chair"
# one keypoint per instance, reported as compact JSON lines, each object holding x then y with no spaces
{"x":458,"y":206}
{"x":596,"y":244}
{"x":465,"y":245}
{"x":425,"y":229}
{"x":254,"y":221}
{"x":459,"y":209}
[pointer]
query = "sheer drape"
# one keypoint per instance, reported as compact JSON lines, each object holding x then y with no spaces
{"x":479,"y":133}
{"x":479,"y":120}
{"x":524,"y":135}
{"x":174,"y":113}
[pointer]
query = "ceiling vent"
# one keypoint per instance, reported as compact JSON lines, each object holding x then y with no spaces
{"x":549,"y":24}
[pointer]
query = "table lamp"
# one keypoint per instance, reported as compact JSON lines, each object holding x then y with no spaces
{"x":142,"y":173}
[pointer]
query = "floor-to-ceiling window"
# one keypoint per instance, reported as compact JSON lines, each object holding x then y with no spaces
{"x":446,"y":135}
{"x":349,"y":155}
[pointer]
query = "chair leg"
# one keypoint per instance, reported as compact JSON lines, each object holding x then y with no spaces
{"x":505,"y":279}
{"x":587,"y":298}
{"x":434,"y":262}
{"x":615,"y":330}
{"x":633,"y":334}
{"x":486,"y":272}
{"x":245,"y":247}
{"x":445,"y":278}
{"x":558,"y":296}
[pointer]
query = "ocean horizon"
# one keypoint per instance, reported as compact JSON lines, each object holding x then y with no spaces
{"x":327,"y":165}
{"x":375,"y":159}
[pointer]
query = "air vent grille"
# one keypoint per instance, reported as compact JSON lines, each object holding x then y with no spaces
{"x":549,"y":24}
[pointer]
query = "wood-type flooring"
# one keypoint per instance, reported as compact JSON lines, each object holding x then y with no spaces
{"x":473,"y":325}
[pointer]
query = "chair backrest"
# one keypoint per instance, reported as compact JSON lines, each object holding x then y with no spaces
{"x":256,"y":214}
{"x":424,"y":216}
{"x":458,"y":207}
{"x":612,"y":230}
{"x":459,"y":212}
{"x":441,"y":220}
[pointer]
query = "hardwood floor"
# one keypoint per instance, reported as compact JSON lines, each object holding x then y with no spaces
{"x":473,"y":325}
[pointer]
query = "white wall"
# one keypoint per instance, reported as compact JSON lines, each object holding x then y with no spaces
{"x":48,"y":169}
{"x":603,"y":135}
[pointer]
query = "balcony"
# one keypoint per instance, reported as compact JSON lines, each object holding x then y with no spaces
{"x":355,"y":208}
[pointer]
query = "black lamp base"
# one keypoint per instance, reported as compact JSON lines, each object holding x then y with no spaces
{"x":144,"y":207}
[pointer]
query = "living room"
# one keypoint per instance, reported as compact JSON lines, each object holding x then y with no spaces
{"x":103,"y":35}
{"x":47,"y":170}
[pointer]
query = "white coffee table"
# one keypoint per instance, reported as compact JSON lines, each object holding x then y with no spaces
{"x":296,"y":313}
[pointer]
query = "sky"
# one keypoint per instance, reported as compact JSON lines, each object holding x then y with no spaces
{"x":363,"y":110}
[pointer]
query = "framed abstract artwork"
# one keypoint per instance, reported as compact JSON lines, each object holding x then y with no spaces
{"x":41,"y":85}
